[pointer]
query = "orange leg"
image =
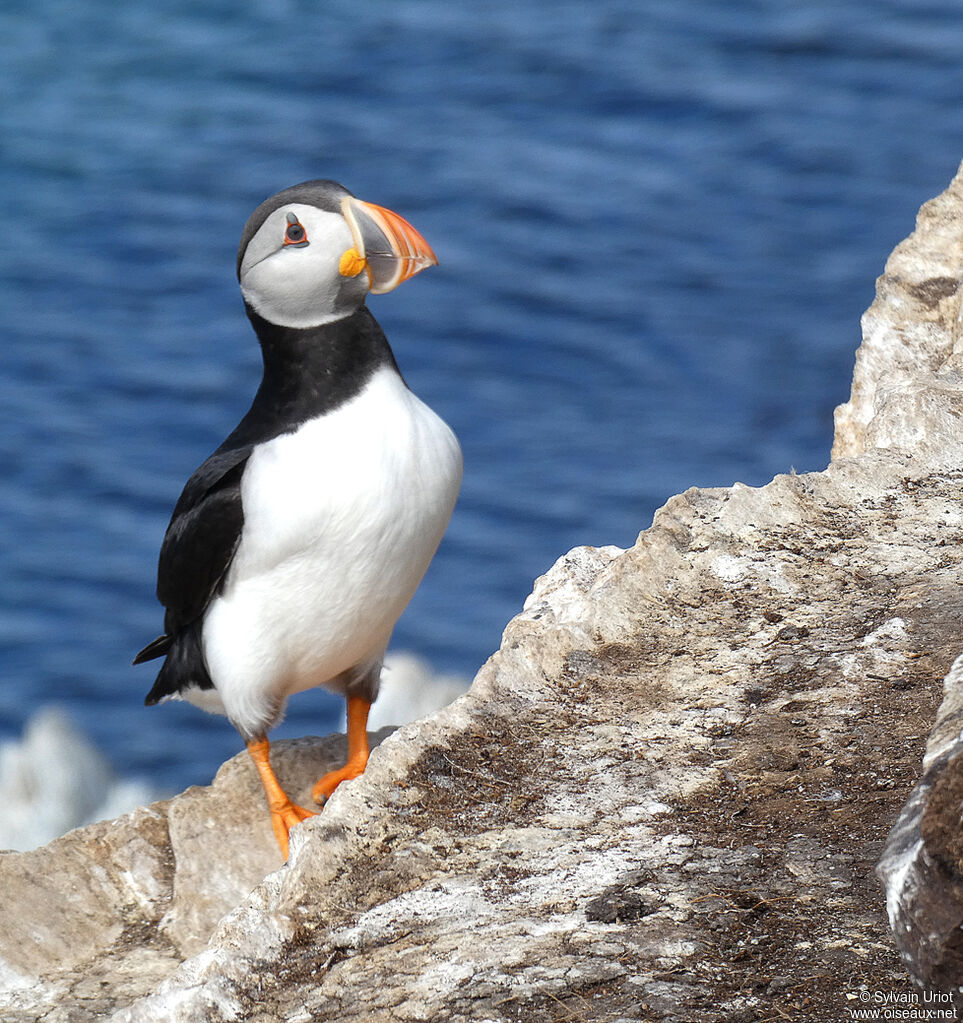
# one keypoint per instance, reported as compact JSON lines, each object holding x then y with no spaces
{"x":284,"y":813}
{"x":357,"y":750}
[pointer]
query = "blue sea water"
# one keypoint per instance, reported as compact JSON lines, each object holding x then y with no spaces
{"x":658,"y":225}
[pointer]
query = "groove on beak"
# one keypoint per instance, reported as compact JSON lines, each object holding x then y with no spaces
{"x":391,"y":248}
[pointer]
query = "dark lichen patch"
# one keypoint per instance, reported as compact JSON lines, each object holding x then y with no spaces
{"x":755,"y":695}
{"x":791,"y":633}
{"x":497,"y":771}
{"x":583,"y":663}
{"x":932,"y":291}
{"x":619,"y":903}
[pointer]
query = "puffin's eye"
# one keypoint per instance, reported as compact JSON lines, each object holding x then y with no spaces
{"x":294,"y":233}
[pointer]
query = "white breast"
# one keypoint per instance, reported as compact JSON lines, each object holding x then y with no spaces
{"x":341,"y":519}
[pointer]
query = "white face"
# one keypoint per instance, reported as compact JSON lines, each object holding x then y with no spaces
{"x":291,"y":277}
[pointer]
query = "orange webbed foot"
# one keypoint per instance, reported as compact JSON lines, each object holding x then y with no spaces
{"x":283,"y":818}
{"x":326,"y":785}
{"x":357,"y":751}
{"x":284,"y":813}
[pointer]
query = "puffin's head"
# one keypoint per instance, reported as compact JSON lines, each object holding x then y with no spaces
{"x":310,"y":254}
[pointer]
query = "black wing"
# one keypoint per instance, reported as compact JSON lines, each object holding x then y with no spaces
{"x":200,"y":542}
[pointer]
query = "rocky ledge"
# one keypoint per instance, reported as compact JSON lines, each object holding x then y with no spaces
{"x":663,"y":798}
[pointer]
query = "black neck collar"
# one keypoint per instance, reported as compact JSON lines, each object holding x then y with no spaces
{"x":309,"y":372}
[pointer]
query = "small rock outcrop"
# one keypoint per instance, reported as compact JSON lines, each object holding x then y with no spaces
{"x":116,"y":906}
{"x":922,"y":864}
{"x":663,"y":798}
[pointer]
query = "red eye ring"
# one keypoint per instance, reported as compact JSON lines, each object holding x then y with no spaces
{"x":294,"y":233}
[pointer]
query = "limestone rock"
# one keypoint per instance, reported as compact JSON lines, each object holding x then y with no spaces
{"x":906,"y":387}
{"x":98,"y":917}
{"x":662,"y":799}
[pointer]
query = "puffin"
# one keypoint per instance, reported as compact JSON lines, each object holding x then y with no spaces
{"x":294,"y":548}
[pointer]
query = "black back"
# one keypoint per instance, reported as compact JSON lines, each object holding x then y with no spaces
{"x":307,"y":373}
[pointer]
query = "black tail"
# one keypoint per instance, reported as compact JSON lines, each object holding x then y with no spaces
{"x":156,"y":648}
{"x":184,"y":667}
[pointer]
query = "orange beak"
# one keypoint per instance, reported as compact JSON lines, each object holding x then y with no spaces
{"x":386,"y":245}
